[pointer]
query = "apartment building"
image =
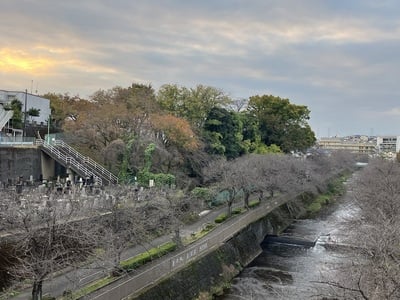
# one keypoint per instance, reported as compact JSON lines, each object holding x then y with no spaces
{"x":355,"y":144}
{"x":388,"y":144}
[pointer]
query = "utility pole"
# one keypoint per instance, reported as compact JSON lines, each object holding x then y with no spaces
{"x":26,"y":100}
{"x":48,"y":129}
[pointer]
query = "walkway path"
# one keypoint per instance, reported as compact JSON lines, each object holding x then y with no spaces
{"x":151,"y":274}
{"x":155,"y":271}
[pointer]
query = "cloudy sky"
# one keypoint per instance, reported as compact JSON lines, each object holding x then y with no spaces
{"x":341,"y":58}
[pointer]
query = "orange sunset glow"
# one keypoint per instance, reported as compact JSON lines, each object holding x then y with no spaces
{"x":19,"y":60}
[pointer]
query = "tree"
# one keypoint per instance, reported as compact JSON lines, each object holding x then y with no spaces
{"x":192,"y":104}
{"x":122,"y":227}
{"x":279,"y":173}
{"x":224,"y":132}
{"x":33,"y":112}
{"x":63,"y":108}
{"x":252,"y":141}
{"x":223,"y":175}
{"x":375,"y":269}
{"x":282,"y":123}
{"x":136,"y":98}
{"x":16,"y":107}
{"x":174,"y":131}
{"x":246,"y":176}
{"x":48,"y":237}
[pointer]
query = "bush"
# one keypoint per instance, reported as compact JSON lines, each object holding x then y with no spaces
{"x":207,"y":227}
{"x":148,"y":256}
{"x":221,"y":218}
{"x":254,"y":203}
{"x":323,"y":199}
{"x":314,"y":208}
{"x":237,"y":211}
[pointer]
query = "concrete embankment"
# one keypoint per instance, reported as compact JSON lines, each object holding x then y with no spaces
{"x":211,"y":273}
{"x":207,"y":267}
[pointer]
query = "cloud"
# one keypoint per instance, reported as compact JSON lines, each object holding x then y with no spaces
{"x":340,"y":58}
{"x":395,"y":111}
{"x":14,"y":61}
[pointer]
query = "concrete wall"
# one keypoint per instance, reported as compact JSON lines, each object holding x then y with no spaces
{"x":47,"y":166}
{"x":210,"y":274}
{"x":18,"y":162}
{"x":32,"y":101}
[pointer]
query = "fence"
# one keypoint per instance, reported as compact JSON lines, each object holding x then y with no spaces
{"x":10,"y":141}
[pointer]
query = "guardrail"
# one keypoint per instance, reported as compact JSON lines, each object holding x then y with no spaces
{"x":9,"y":141}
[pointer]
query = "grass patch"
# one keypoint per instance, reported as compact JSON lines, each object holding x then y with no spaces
{"x":127,"y":265}
{"x":198,"y":235}
{"x":335,"y":188}
{"x":238,"y":210}
{"x":323,"y":199}
{"x":221,"y":218}
{"x":88,"y":289}
{"x":142,"y":258}
{"x":254,"y":203}
{"x":314,"y":208}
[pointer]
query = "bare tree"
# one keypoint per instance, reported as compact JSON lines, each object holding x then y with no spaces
{"x":375,"y":270}
{"x":48,"y":234}
{"x":121,"y":225}
{"x":224,"y":175}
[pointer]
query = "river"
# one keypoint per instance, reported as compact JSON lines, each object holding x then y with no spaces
{"x":289,"y":271}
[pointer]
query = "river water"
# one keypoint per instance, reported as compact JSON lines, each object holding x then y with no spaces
{"x":289,"y":271}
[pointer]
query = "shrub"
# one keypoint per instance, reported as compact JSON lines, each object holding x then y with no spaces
{"x":148,"y":256}
{"x":254,"y":203}
{"x":221,"y":218}
{"x":237,"y":211}
{"x":314,"y":207}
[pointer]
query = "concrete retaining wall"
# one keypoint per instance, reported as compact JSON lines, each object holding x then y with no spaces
{"x":16,"y":162}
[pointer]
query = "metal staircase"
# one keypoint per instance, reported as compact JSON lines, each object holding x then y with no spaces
{"x":82,"y":165}
{"x":5,"y":116}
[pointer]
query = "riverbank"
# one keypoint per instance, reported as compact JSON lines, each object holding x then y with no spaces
{"x":291,"y":271}
{"x":211,"y":274}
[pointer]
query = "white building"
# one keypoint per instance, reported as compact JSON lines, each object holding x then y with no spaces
{"x":388,"y":144}
{"x":29,"y":101}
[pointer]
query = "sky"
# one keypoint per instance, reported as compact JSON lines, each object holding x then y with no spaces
{"x":340,"y":58}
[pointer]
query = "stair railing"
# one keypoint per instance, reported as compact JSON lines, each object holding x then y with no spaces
{"x":88,"y":161}
{"x":69,"y":161}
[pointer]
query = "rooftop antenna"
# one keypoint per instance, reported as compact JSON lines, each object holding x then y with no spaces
{"x":31,"y":85}
{"x":36,"y":92}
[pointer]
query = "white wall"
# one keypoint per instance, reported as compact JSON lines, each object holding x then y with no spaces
{"x":32,"y":101}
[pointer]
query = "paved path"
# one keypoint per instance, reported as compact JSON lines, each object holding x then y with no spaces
{"x":151,"y":274}
{"x":75,"y":279}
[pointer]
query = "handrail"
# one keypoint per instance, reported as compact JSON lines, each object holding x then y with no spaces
{"x":87,"y":160}
{"x":5,"y":117}
{"x":70,"y":161}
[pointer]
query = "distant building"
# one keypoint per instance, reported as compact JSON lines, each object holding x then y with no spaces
{"x":28,"y":101}
{"x":388,"y":145}
{"x":355,"y":144}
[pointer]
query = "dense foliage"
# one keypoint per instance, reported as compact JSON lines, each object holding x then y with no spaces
{"x":187,"y":126}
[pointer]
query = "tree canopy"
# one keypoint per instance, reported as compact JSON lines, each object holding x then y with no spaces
{"x":115,"y":126}
{"x":282,"y":123}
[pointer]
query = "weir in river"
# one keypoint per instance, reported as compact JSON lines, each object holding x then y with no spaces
{"x":296,"y":264}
